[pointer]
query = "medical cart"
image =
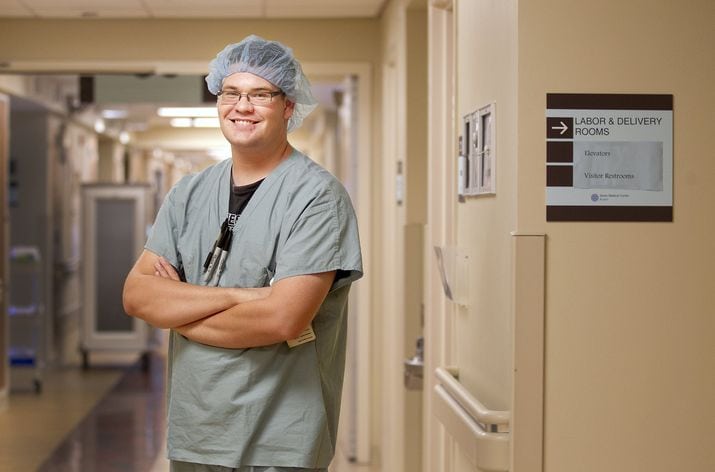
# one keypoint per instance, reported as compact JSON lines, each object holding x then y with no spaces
{"x":25,"y":312}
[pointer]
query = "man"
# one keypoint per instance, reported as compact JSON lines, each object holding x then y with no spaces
{"x":258,"y":313}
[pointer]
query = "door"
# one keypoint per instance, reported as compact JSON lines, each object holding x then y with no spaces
{"x":115,"y":219}
{"x":441,"y":201}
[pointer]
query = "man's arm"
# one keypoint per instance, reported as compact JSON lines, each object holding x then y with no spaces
{"x":166,"y":302}
{"x":282,"y":315}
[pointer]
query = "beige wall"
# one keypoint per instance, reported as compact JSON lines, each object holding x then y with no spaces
{"x":486,"y":73}
{"x":181,"y":40}
{"x":630,"y":325}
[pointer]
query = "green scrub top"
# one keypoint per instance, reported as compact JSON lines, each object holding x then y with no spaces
{"x":272,"y":405}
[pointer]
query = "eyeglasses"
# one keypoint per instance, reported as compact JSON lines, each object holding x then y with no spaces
{"x":260,"y":98}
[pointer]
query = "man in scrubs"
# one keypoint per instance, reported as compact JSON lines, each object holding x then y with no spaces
{"x":249,"y":264}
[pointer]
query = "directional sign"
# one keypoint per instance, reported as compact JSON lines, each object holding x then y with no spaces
{"x":559,"y":127}
{"x":609,"y":157}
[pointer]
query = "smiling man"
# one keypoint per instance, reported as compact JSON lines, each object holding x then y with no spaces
{"x":249,"y":264}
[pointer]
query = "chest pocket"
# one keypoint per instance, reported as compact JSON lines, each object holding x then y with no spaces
{"x":250,"y":263}
{"x":247,"y":274}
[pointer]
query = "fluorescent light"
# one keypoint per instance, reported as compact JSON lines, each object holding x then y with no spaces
{"x":114,"y":114}
{"x":124,"y":137}
{"x":99,"y":125}
{"x":179,"y":112}
{"x":181,"y":122}
{"x":194,"y":122}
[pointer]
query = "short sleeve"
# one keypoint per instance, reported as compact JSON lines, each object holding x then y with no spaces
{"x":323,"y":238}
{"x":164,"y":234}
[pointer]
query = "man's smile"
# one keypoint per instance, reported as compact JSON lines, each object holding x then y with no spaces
{"x":243,"y":121}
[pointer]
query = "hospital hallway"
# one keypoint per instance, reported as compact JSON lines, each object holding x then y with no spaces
{"x":109,"y":418}
{"x":523,"y":234}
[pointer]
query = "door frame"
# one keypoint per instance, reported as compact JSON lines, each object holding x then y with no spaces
{"x":4,"y":221}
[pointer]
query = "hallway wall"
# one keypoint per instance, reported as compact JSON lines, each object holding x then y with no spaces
{"x":478,"y":331}
{"x":629,"y":322}
{"x":68,"y":42}
{"x":486,"y":68}
{"x":630,"y":355}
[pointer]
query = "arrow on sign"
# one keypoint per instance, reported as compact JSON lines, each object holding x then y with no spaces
{"x":563,"y":127}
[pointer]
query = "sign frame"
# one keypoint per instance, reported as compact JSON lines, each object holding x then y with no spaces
{"x":628,"y":135}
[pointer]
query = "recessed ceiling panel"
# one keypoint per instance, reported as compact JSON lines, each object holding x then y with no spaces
{"x":14,"y":8}
{"x":206,"y":8}
{"x":322,"y":8}
{"x":86,"y":8}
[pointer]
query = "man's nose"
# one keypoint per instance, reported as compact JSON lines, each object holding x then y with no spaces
{"x":243,"y":104}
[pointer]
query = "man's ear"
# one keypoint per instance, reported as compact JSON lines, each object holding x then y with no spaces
{"x":288,"y":112}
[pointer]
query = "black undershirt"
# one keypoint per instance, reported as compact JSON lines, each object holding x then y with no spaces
{"x":239,"y":198}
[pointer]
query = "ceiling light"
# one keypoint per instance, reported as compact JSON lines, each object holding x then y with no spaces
{"x":181,"y":122}
{"x":191,"y":112}
{"x":99,"y":126}
{"x":194,"y":122}
{"x":114,"y":114}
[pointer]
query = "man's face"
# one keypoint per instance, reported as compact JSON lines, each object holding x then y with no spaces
{"x":251,"y":127}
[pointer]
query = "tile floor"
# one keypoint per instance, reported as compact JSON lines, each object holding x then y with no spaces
{"x":105,"y":419}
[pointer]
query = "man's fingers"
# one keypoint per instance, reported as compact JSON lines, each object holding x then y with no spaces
{"x":167,"y":270}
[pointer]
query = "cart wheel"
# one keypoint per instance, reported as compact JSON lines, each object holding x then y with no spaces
{"x":85,"y":359}
{"x":37,"y":383}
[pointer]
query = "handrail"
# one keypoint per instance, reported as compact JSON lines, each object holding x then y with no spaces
{"x":494,"y":420}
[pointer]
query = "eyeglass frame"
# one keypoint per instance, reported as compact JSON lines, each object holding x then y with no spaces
{"x":249,"y":96}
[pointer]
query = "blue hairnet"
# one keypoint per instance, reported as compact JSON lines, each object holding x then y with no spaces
{"x":271,"y":61}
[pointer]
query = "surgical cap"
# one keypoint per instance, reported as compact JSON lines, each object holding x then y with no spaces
{"x":271,"y":61}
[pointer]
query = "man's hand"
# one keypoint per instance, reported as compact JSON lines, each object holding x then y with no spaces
{"x":162,"y":268}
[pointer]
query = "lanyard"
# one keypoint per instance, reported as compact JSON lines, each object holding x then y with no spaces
{"x":216,"y":259}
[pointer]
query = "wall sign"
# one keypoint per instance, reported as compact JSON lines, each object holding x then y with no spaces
{"x":609,"y":157}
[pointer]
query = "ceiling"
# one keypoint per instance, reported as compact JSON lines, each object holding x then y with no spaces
{"x":55,"y":9}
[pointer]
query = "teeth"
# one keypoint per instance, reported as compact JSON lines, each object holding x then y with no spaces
{"x":245,"y":122}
